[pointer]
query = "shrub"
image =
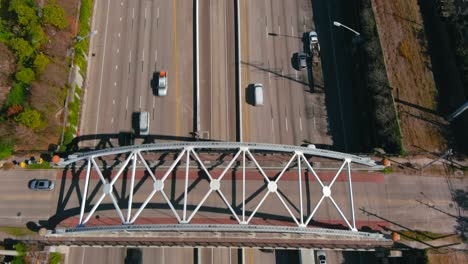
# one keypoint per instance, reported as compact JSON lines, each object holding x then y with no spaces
{"x":85,"y":16}
{"x":40,"y":62}
{"x":6,"y":148}
{"x":30,"y":118}
{"x":20,"y":248}
{"x":68,"y":135}
{"x":80,"y":62}
{"x":74,"y":106}
{"x":22,"y":49}
{"x":25,"y":75}
{"x":73,"y":118}
{"x":54,"y":15}
{"x":44,"y":165}
{"x":55,"y":258}
{"x":16,"y":96}
{"x":5,"y":33}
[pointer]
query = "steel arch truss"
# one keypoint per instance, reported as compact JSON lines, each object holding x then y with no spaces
{"x":243,"y":155}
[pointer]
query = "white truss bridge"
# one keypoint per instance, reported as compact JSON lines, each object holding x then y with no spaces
{"x":190,"y":156}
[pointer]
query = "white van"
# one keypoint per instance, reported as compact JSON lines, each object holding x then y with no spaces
{"x":258,"y":94}
{"x":144,"y":123}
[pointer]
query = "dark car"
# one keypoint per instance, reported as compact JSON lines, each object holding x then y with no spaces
{"x":302,"y":60}
{"x":41,"y":185}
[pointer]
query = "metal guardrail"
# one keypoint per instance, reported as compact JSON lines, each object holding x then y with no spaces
{"x":218,"y":228}
{"x":222,"y":145}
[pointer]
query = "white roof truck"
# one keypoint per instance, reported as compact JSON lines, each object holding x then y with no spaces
{"x":144,"y":123}
{"x":162,"y":83}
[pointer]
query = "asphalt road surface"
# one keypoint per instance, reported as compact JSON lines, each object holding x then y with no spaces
{"x":337,"y":61}
{"x":78,"y":255}
{"x":217,"y":70}
{"x":18,"y":204}
{"x":136,"y":39}
{"x":271,"y":32}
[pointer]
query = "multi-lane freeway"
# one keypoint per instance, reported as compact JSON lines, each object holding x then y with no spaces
{"x":139,"y":38}
{"x":271,"y":32}
{"x":136,"y":39}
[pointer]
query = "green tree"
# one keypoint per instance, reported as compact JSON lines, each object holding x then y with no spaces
{"x":54,"y":15}
{"x":40,"y":62}
{"x":30,"y":118}
{"x":22,"y":49}
{"x":25,"y":75}
{"x":36,"y":35}
{"x":26,"y":13}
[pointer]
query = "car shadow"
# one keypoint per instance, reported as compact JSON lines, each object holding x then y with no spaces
{"x":250,"y":94}
{"x":154,"y":83}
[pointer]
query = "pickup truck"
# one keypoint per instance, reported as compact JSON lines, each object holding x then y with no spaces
{"x":314,"y":47}
{"x":162,"y":83}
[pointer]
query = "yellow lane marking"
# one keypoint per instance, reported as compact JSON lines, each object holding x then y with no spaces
{"x":246,"y":124}
{"x":176,"y":71}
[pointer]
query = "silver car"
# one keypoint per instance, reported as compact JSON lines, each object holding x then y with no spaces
{"x":302,"y":60}
{"x":41,"y":185}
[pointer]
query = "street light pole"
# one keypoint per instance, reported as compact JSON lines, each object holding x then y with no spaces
{"x":338,"y":24}
{"x":92,"y":33}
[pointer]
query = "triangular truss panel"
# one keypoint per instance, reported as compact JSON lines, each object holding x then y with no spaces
{"x":217,"y":167}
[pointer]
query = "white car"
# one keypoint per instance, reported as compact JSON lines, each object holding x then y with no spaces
{"x":162,"y":83}
{"x":258,"y":94}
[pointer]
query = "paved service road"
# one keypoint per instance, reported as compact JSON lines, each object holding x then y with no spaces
{"x":338,"y":66}
{"x":18,"y":204}
{"x":136,"y":39}
{"x":271,"y":32}
{"x":390,"y":196}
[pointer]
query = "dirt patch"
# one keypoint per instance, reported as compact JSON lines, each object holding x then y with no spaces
{"x":7,"y":67}
{"x":448,"y":258}
{"x":404,"y":45}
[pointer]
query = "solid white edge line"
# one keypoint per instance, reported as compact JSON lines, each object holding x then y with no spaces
{"x":102,"y":67}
